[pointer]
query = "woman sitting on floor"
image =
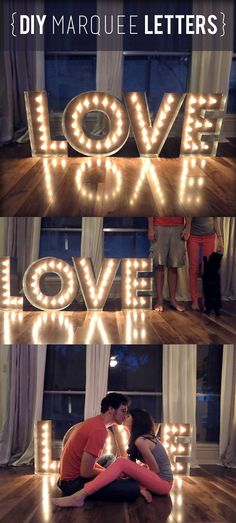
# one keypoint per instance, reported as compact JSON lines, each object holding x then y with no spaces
{"x":154,"y":474}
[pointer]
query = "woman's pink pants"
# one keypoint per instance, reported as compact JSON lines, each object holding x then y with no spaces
{"x":144,"y":476}
{"x":208,"y":245}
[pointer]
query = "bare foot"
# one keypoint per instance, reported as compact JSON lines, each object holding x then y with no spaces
{"x":146,"y":494}
{"x":159,"y":307}
{"x":175,"y":305}
{"x":195,"y":306}
{"x":76,"y":500}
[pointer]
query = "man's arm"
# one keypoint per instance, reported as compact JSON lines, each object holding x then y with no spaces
{"x":187,"y":228}
{"x":151,"y":230}
{"x":89,"y":468}
{"x":220,"y":240}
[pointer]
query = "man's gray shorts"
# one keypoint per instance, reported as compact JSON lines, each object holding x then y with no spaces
{"x":169,"y":248}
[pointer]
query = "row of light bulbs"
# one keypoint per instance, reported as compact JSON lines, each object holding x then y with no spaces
{"x":195,"y":123}
{"x":92,"y":101}
{"x":131,"y":284}
{"x":39,"y":129}
{"x":43,"y":446}
{"x":6,"y":300}
{"x":149,"y":138}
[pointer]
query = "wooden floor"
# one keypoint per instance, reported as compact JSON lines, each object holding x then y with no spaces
{"x":117,"y":187}
{"x":119,"y":327}
{"x":208,"y":495}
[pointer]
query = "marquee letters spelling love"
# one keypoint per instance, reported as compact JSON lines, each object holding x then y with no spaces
{"x":136,"y":286}
{"x":200,"y":133}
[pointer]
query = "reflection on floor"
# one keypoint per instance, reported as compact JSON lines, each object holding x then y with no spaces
{"x":119,"y":327}
{"x":118,"y":187}
{"x":207,"y":496}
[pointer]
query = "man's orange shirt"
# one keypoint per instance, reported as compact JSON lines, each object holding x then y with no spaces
{"x":89,"y":436}
{"x":168,"y":221}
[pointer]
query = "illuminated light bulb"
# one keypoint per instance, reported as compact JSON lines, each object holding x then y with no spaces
{"x":153,"y":139}
{"x":108,"y":143}
{"x":76,"y":133}
{"x":39,"y":98}
{"x":53,"y":146}
{"x":142,"y":301}
{"x":191,"y":110}
{"x":191,"y":182}
{"x":44,"y":146}
{"x":98,"y":146}
{"x":212,"y":100}
{"x":198,"y":124}
{"x":189,"y":129}
{"x":160,"y":124}
{"x":86,"y":103}
{"x":193,"y":100}
{"x":136,"y":264}
{"x":105,"y":102}
{"x":205,"y":146}
{"x":208,"y":124}
{"x":82,"y":139}
{"x":88,"y":144}
{"x":156,"y":131}
{"x":95,"y":100}
{"x":62,"y":145}
{"x":59,"y":265}
{"x":134,"y":97}
{"x":113,"y":106}
{"x":166,"y":108}
{"x":179,"y":466}
{"x":74,"y":125}
{"x":202,"y":100}
{"x":182,"y":429}
{"x":187,"y":146}
{"x":173,"y":448}
{"x":114,"y":138}
{"x":162,"y":115}
{"x":40,"y":109}
{"x":42,"y":128}
{"x":180,"y":448}
{"x":194,"y":147}
{"x":170,"y":99}
{"x":40,"y":119}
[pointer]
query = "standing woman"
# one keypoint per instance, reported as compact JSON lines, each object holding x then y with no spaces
{"x":154,"y":474}
{"x":202,"y":232}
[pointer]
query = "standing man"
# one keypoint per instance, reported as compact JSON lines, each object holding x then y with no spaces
{"x":168,"y":251}
{"x":78,"y":462}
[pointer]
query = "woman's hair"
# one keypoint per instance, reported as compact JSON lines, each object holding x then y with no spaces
{"x":142,"y":425}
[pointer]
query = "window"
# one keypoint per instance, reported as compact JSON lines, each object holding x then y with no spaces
{"x":232,"y":88}
{"x":125,"y":238}
{"x":156,"y":75}
{"x":60,"y":237}
{"x":137,"y":372}
{"x":64,"y":387}
{"x":209,"y":366}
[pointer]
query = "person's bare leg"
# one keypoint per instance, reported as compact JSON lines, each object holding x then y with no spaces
{"x":75,"y":500}
{"x":159,"y":282}
{"x":172,"y":284}
{"x":146,"y":494}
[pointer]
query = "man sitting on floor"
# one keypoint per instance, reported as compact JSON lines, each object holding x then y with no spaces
{"x":78,"y":462}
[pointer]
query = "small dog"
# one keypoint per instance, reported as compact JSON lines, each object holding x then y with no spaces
{"x":211,"y":282}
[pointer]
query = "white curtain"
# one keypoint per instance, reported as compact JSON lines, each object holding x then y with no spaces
{"x":228,"y":266}
{"x":109,"y":74}
{"x":92,"y":241}
{"x":210,"y":70}
{"x":22,"y":402}
{"x":227,"y":448}
{"x":179,"y":387}
{"x":97,"y":367}
{"x":20,"y":71}
{"x":21,"y":239}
